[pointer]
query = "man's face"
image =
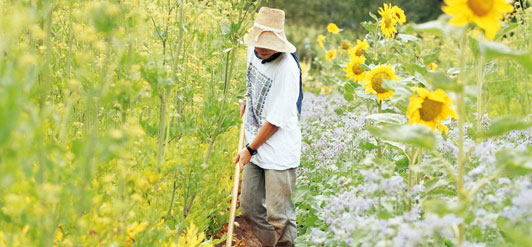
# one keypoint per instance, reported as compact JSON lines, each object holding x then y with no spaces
{"x":264,"y":53}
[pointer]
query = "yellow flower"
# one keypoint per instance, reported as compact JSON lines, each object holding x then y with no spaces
{"x":330,"y":54}
{"x":432,"y":66}
{"x":357,"y":51}
{"x":325,"y":90}
{"x":2,"y":241}
{"x":376,"y":77}
{"x":354,"y":70}
{"x":388,"y":21}
{"x":58,"y":236}
{"x":345,"y":45}
{"x":430,"y":108}
{"x":134,"y":228}
{"x":399,"y":14}
{"x":332,"y":28}
{"x":321,"y":38}
{"x":486,"y":14}
{"x":191,"y":238}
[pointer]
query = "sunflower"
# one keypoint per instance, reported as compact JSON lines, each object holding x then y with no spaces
{"x":330,"y":54}
{"x":399,"y":14}
{"x":430,"y":108}
{"x":332,"y":28}
{"x":357,"y":51}
{"x":388,"y":21}
{"x":321,"y":38}
{"x":486,"y":14}
{"x":354,"y":70}
{"x":432,"y":66}
{"x":376,"y":77}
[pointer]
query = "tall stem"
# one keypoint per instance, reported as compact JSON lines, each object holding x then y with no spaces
{"x":461,"y":156}
{"x":376,"y":40}
{"x":480,"y":82}
{"x":162,"y":128}
{"x":419,"y":158}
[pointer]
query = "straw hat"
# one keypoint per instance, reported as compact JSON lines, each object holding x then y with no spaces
{"x":268,"y":31}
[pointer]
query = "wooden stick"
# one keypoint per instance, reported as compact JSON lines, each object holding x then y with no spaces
{"x":236,"y":179}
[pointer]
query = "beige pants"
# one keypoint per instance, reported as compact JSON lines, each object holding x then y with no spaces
{"x":267,"y":206}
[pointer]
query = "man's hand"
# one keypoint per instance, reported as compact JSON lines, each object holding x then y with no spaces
{"x":242,"y":107}
{"x":243,"y":157}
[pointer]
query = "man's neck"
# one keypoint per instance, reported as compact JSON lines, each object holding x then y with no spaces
{"x":269,"y":59}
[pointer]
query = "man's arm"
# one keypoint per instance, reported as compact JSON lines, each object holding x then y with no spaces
{"x":265,"y":132}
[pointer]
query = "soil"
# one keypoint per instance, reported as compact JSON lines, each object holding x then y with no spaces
{"x":242,"y":235}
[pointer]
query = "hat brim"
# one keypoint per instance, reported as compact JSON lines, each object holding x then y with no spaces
{"x":269,"y":40}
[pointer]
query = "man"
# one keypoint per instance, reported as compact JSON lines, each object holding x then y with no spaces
{"x":272,"y":131}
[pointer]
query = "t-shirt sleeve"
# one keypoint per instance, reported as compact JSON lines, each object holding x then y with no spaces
{"x":280,"y":108}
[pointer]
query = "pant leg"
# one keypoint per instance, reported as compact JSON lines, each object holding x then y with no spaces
{"x":280,"y":209}
{"x":252,"y":206}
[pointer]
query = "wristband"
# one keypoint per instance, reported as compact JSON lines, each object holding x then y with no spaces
{"x":251,"y":150}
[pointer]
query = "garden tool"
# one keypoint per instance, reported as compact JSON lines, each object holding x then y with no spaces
{"x":235,"y":188}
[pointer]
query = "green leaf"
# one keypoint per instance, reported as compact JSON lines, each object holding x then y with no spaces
{"x":442,"y":81}
{"x":512,"y":234}
{"x":373,"y":16}
{"x":339,"y":111}
{"x":417,"y":135}
{"x":440,"y":207}
{"x":348,"y":97}
{"x":349,"y":88}
{"x":431,"y":57}
{"x":504,"y":124}
{"x":388,"y":118}
{"x":369,"y":26}
{"x":438,"y":27}
{"x":495,"y":50}
{"x":514,"y":163}
{"x":473,"y":44}
{"x":506,"y":29}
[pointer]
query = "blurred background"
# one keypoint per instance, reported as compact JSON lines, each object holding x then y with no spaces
{"x":308,"y":19}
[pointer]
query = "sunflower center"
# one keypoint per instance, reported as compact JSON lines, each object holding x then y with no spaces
{"x":398,"y":16}
{"x":430,"y":109}
{"x":480,"y":7}
{"x":357,"y":70}
{"x":359,"y":52}
{"x":376,"y":82}
{"x":388,"y":21}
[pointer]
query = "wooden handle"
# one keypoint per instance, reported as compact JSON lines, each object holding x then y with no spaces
{"x":236,"y":179}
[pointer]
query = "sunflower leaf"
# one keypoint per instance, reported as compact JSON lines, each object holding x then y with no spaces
{"x":514,"y":163}
{"x":473,"y":44}
{"x":504,"y":124}
{"x":388,"y":118}
{"x":506,"y":29}
{"x":374,"y":16}
{"x":427,"y":59}
{"x":369,"y":26}
{"x":417,"y":135}
{"x":438,"y":27}
{"x":441,"y":207}
{"x":494,"y":50}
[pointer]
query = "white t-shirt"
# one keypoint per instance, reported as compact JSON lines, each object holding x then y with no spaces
{"x":272,"y":93}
